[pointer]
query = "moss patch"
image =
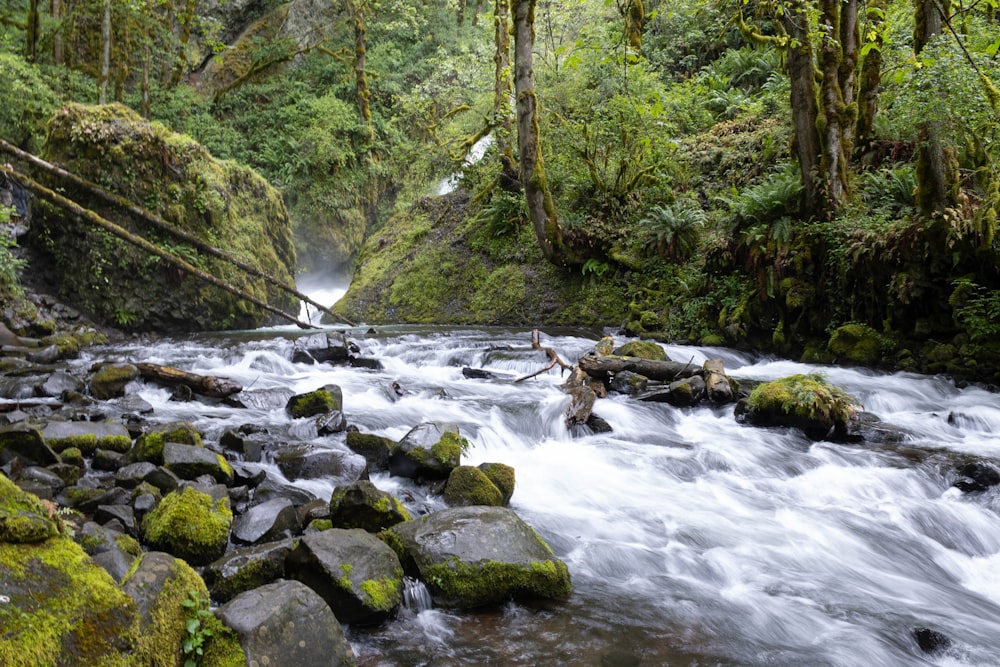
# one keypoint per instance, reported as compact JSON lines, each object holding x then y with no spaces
{"x":189,"y":525}
{"x":806,"y":401}
{"x":464,"y":585}
{"x":470,"y":486}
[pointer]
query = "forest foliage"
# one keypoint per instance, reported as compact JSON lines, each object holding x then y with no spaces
{"x":745,"y":172}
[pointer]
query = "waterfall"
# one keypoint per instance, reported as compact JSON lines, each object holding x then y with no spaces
{"x":416,"y":597}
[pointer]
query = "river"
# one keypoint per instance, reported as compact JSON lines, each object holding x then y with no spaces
{"x":691,"y":539}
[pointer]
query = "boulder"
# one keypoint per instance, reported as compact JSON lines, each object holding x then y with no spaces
{"x":134,"y":474}
{"x":329,"y":398}
{"x":322,"y":348}
{"x":189,"y":524}
{"x":362,"y":505}
{"x":355,"y":572}
{"x":470,"y":486}
{"x":475,"y":556}
{"x":375,"y":448}
{"x":149,"y":445}
{"x":111,"y":380}
{"x":59,"y":382}
{"x":627,"y":382}
{"x":87,"y":436}
{"x":429,"y":450}
{"x":190,"y":462}
{"x":112,"y":550}
{"x":269,"y":521}
{"x":807,"y":402}
{"x":286,"y":624}
{"x":245,"y":569}
{"x":641,"y":349}
{"x":502,"y":476}
{"x":311,"y":462}
{"x":25,"y":442}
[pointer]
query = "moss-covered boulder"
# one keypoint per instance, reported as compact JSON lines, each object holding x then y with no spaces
{"x":807,"y":402}
{"x":856,"y":344}
{"x":643,"y":349}
{"x":468,"y":485}
{"x":87,"y":436}
{"x":321,"y":401}
{"x":191,"y":461}
{"x":110,"y":380}
{"x":226,"y":205}
{"x":190,"y":525}
{"x":149,"y":445}
{"x":431,"y":450}
{"x":245,"y":569}
{"x":476,"y":556}
{"x":363,"y":505}
{"x":59,"y":608}
{"x":375,"y":448}
{"x":356,"y":573}
{"x":502,"y":476}
{"x":24,"y":441}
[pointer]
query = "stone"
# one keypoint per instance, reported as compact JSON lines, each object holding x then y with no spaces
{"x":309,"y":461}
{"x":475,"y":556}
{"x":326,"y":399}
{"x":269,"y":521}
{"x":248,"y":568}
{"x":190,"y":461}
{"x":111,"y":380}
{"x":375,"y":448}
{"x":363,"y":505}
{"x":58,"y":382}
{"x":87,"y":436}
{"x":470,"y":486}
{"x":25,"y":442}
{"x":355,"y":572}
{"x":502,"y":476}
{"x":286,"y":624}
{"x":189,"y":524}
{"x":429,"y":450}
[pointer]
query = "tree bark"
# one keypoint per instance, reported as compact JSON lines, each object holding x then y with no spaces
{"x":89,"y":216}
{"x":502,"y":88}
{"x":187,"y":23}
{"x":871,"y":77}
{"x":838,"y":58}
{"x":362,"y":94}
{"x":541,"y":207}
{"x":161,"y":224}
{"x":205,"y":385}
{"x":801,"y":72}
{"x":102,"y":95}
{"x":55,"y":8}
{"x":601,"y":367}
{"x":32,"y":34}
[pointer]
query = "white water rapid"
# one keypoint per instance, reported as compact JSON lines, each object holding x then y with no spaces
{"x":691,"y":539}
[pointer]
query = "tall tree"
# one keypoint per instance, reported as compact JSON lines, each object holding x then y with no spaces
{"x":838,"y":23}
{"x":502,"y":86}
{"x":105,"y":70}
{"x":871,"y":73}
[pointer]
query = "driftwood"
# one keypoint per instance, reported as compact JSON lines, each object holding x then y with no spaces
{"x":602,"y":367}
{"x":206,"y":385}
{"x":162,"y":225}
{"x":93,"y":218}
{"x":554,"y":359}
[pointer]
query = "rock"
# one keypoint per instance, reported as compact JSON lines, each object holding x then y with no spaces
{"x":285,"y":624}
{"x":362,"y":505}
{"x":271,"y":488}
{"x":429,"y":450}
{"x":642,"y":349}
{"x":627,"y":382}
{"x":149,"y":445}
{"x":134,"y":474}
{"x":189,"y":462}
{"x":259,"y":399}
{"x":686,"y":392}
{"x":857,"y":344}
{"x":87,"y":436}
{"x":43,"y":477}
{"x":249,"y":445}
{"x":110,"y":381}
{"x":105,"y":459}
{"x":59,"y":382}
{"x":23,"y":517}
{"x":89,"y":503}
{"x":267,"y":522}
{"x":312,"y":462}
{"x":189,"y":524}
{"x":475,"y":556}
{"x":321,"y":401}
{"x":169,"y":595}
{"x":375,"y":448}
{"x":976,"y":476}
{"x":478,"y":373}
{"x":356,"y":573}
{"x":122,"y":513}
{"x":248,"y":474}
{"x":245,"y":569}
{"x":112,"y":550}
{"x":502,"y":476}
{"x":581,"y":404}
{"x":598,"y":424}
{"x":59,"y":607}
{"x":470,"y":486}
{"x":931,"y":641}
{"x":322,"y":348}
{"x":807,"y":402}
{"x":25,"y":442}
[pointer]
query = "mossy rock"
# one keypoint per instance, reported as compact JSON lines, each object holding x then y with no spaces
{"x":87,"y":436}
{"x":431,"y":450}
{"x":226,"y":204}
{"x":149,"y":445}
{"x":857,"y":344}
{"x":23,"y":518}
{"x":643,"y":349}
{"x":190,"y":525}
{"x":246,"y":569}
{"x":502,"y":476}
{"x":321,"y":401}
{"x":60,"y":608}
{"x":110,"y":380}
{"x":25,"y":441}
{"x":362,"y":505}
{"x":470,"y":486}
{"x":375,"y":448}
{"x":808,"y":402}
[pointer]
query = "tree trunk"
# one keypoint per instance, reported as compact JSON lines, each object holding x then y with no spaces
{"x":871,"y":77}
{"x":212,"y":386}
{"x":937,"y":179}
{"x":502,"y":88}
{"x":541,"y":208}
{"x":31,"y":37}
{"x":361,"y":92}
{"x":55,"y":8}
{"x":838,"y":59}
{"x":102,"y":96}
{"x":187,"y":22}
{"x":801,"y":72}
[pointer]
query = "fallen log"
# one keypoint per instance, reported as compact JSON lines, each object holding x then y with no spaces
{"x":602,"y":367}
{"x":162,"y":225}
{"x":554,"y":359}
{"x":205,"y":385}
{"x":87,"y":215}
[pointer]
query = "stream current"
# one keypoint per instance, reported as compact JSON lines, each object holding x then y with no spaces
{"x":691,"y":539}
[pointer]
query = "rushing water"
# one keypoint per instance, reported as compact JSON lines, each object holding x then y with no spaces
{"x":691,"y":539}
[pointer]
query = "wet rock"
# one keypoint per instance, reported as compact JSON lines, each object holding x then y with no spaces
{"x":375,"y":448}
{"x":248,"y":474}
{"x":475,"y":556}
{"x":355,"y":572}
{"x":642,"y":349}
{"x":627,"y":382}
{"x":259,"y":399}
{"x":245,"y":569}
{"x":59,"y":382}
{"x":321,"y":348}
{"x":189,"y":462}
{"x":190,"y":525}
{"x":149,"y":446}
{"x":326,"y":399}
{"x":470,"y":486}
{"x":122,"y":513}
{"x":598,"y":424}
{"x":478,"y":374}
{"x":976,"y":476}
{"x":271,"y":488}
{"x":430,"y":450}
{"x":25,"y":442}
{"x":87,"y":436}
{"x":931,"y":641}
{"x":134,"y":474}
{"x":248,"y":445}
{"x":502,"y":476}
{"x":108,"y":548}
{"x":362,"y":505}
{"x":44,"y":477}
{"x":312,"y":462}
{"x":286,"y":624}
{"x":89,"y":502}
{"x":266,"y":522}
{"x":111,"y":380}
{"x":105,"y":459}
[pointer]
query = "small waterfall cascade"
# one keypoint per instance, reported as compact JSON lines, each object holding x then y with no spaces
{"x":416,"y":597}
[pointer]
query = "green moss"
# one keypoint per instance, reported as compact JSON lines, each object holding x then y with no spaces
{"x":490,"y":582}
{"x":502,"y":477}
{"x":392,"y":540}
{"x":319,"y":525}
{"x":23,"y":518}
{"x":128,"y":544}
{"x":149,"y":446}
{"x":382,"y":504}
{"x":448,"y":450}
{"x":345,"y":578}
{"x":470,"y":486}
{"x":189,"y":525}
{"x":643,"y":349}
{"x":223,"y":647}
{"x":383,"y":594}
{"x":314,"y":403}
{"x":858,"y":343}
{"x":804,"y":396}
{"x":73,"y":456}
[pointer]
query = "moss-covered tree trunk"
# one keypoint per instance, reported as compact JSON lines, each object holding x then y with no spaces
{"x":187,"y":23}
{"x":541,"y":207}
{"x":31,"y":37}
{"x":805,"y":112}
{"x":635,"y":18}
{"x":502,"y":87}
{"x":838,"y":25}
{"x":871,"y":76}
{"x":362,"y":94}
{"x":937,"y":176}
{"x":105,"y":70}
{"x":55,"y":9}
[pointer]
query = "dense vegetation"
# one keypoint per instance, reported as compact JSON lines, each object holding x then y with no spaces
{"x":809,"y":176}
